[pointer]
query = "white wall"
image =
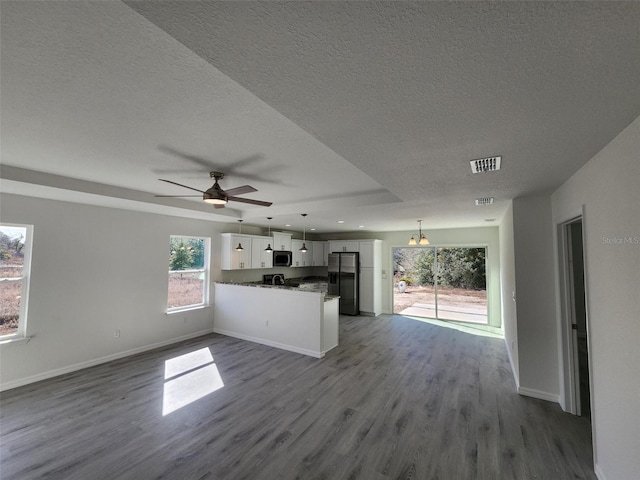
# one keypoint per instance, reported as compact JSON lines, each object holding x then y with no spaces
{"x":535,"y":298}
{"x":95,"y":270}
{"x":608,"y":187}
{"x":508,"y":289}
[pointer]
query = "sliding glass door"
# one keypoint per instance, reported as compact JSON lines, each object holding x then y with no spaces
{"x":446,"y":283}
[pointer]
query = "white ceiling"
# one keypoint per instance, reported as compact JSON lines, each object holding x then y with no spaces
{"x":367,"y":112}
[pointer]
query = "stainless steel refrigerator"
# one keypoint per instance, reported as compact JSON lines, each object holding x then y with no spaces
{"x":344,"y":281}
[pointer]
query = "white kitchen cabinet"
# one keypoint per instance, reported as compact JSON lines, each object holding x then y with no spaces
{"x":231,"y":259}
{"x":260,"y":258}
{"x":298,"y":258}
{"x":320,"y":254}
{"x":281,"y":241}
{"x":370,"y":253}
{"x":344,"y":246}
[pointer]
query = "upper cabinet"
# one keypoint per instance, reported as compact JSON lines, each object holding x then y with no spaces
{"x":232,"y":259}
{"x":252,"y":255}
{"x":261,"y":258}
{"x":344,"y":246}
{"x":281,"y":241}
{"x":370,"y":253}
{"x":320,"y":254}
{"x":298,"y":258}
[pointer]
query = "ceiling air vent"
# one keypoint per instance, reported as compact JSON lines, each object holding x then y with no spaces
{"x":484,"y":201}
{"x":488,"y":164}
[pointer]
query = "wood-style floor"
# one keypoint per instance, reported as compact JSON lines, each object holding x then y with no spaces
{"x":398,"y":399}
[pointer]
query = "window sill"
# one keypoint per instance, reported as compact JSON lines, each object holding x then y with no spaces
{"x":6,"y":341}
{"x":187,"y":309}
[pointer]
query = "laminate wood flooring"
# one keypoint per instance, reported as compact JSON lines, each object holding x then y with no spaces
{"x":397,"y":399}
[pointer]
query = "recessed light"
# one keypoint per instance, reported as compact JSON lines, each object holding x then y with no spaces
{"x":287,"y":225}
{"x":312,"y":229}
{"x":360,"y":226}
{"x":340,"y":221}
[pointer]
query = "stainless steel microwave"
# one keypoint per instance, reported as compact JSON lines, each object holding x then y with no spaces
{"x":282,"y":258}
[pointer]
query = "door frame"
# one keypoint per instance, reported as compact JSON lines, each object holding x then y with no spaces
{"x":434,"y":246}
{"x":568,"y":346}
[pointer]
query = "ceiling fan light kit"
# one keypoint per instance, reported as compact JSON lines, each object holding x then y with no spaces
{"x":218,"y":197}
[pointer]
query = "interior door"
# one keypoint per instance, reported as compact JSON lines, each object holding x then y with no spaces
{"x":577,"y":300}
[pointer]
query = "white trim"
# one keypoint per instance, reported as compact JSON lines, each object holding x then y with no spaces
{"x":7,"y":339}
{"x":269,"y":343}
{"x":514,"y":370}
{"x":530,"y":392}
{"x":97,"y":361}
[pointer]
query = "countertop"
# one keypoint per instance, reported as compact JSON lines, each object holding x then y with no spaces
{"x":291,"y":284}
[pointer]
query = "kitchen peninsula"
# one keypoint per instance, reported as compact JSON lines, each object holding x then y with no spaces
{"x":298,"y":320}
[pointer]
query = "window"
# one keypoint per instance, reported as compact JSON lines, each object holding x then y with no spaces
{"x":15,"y":251}
{"x":188,"y":273}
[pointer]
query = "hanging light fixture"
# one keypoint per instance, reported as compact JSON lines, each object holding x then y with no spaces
{"x":303,"y":249}
{"x":269,"y":249}
{"x":421,"y":240}
{"x":239,"y":248}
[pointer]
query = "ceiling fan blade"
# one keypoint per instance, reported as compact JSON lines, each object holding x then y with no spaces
{"x":240,"y":190}
{"x":177,"y":196}
{"x":249,"y":200}
{"x":180,"y":185}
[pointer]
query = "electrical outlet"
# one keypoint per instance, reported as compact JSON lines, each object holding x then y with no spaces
{"x":116,"y":334}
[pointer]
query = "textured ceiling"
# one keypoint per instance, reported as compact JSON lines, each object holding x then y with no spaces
{"x":368,"y":112}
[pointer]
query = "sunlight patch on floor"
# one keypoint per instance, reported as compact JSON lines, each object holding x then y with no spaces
{"x":191,"y":377}
{"x":472,"y":329}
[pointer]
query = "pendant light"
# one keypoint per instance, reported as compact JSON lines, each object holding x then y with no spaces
{"x":269,"y":249}
{"x":303,"y":249}
{"x":422,"y":239}
{"x":239,"y":248}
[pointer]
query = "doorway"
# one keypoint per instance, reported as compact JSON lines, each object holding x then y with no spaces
{"x":444,"y":283}
{"x":575,"y":319}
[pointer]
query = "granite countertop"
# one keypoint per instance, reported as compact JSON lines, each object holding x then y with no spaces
{"x":290,"y":284}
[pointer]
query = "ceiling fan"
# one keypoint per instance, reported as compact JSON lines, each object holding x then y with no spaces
{"x":217,"y":196}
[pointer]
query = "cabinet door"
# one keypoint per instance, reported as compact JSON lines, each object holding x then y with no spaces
{"x":298,"y":258}
{"x":260,"y":258}
{"x":281,"y":241}
{"x":240,"y":259}
{"x":319,"y":258}
{"x":366,"y":253}
{"x":343,"y":246}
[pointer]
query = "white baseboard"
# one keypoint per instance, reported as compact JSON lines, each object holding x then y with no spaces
{"x":269,"y":343}
{"x":530,"y":392}
{"x":96,"y":361}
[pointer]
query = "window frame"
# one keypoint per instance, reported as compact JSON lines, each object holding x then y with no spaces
{"x":21,"y":332}
{"x":204,"y":270}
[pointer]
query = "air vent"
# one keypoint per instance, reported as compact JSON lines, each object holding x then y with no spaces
{"x":489,"y":164}
{"x":484,"y":201}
